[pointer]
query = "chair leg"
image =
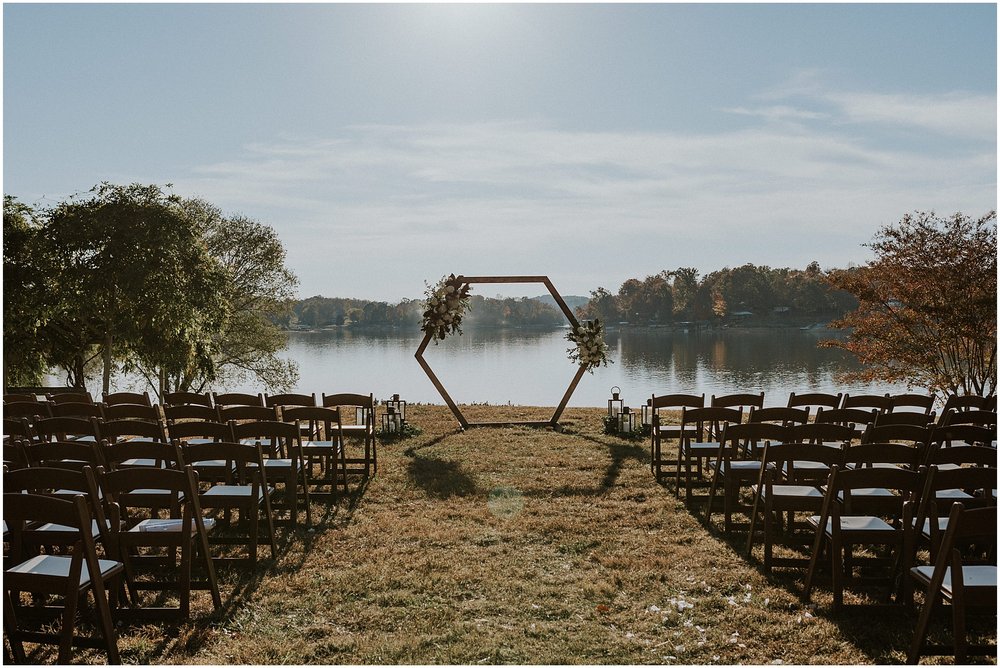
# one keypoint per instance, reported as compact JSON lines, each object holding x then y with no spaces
{"x":68,"y":625}
{"x":837,"y":563}
{"x":10,"y":628}
{"x":920,"y":631}
{"x":108,"y":630}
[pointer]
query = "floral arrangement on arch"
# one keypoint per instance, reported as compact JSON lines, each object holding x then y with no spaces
{"x":591,"y":351}
{"x":444,"y":307}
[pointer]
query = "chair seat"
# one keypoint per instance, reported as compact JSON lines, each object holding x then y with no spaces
{"x":143,"y":462}
{"x":739,"y":465}
{"x":806,"y":466}
{"x":232,"y":492}
{"x":942,"y":523}
{"x":310,"y":447}
{"x":982,"y":578}
{"x":951,"y":494}
{"x":168,"y":526}
{"x":794,"y":491}
{"x":707,"y":448}
{"x":73,"y":492}
{"x":868,"y":492}
{"x":855,"y":523}
{"x":50,"y":527}
{"x":58,"y":567}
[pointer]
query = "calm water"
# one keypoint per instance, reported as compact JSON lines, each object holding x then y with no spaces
{"x":530,"y":367}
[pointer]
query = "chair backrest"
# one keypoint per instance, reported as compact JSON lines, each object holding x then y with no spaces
{"x":243,"y":413}
{"x":842,"y":481}
{"x":677,"y":401}
{"x":64,"y":454}
{"x":191,"y":412}
{"x":785,"y":455}
{"x":852,"y":417}
{"x":70,"y":397}
{"x":77,"y":409}
{"x":910,"y":434}
{"x":821,"y":433}
{"x":708,"y":420}
{"x":61,"y":428}
{"x":749,"y":437}
{"x":973,"y":416}
{"x":125,"y":488}
{"x":963,"y":434}
{"x":739,"y":400}
{"x":191,"y":398}
{"x":971,"y":455}
{"x":900,"y":454}
{"x":152,"y":453}
{"x":45,"y":479}
{"x":28,"y":409}
{"x":183,"y":431}
{"x":810,"y":399}
{"x":18,"y":396}
{"x":115,"y":398}
{"x":922,"y":401}
{"x":18,"y":428}
{"x":963,"y":402}
{"x":905,"y":417}
{"x":364,"y":405}
{"x":113,"y":430}
{"x":13,"y":455}
{"x":272,"y":435}
{"x":238,"y":399}
{"x":23,"y":510}
{"x":133,"y":411}
{"x":328,"y":418}
{"x":881,"y":402}
{"x":779,"y":415}
{"x":977,"y":481}
{"x":246,"y":459}
{"x":290,"y":399}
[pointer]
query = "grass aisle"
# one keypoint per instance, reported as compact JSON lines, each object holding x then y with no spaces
{"x":514,"y":546}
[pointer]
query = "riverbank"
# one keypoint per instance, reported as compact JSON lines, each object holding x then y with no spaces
{"x":514,"y":545}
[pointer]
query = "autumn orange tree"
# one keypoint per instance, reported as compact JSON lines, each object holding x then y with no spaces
{"x":927,"y":311}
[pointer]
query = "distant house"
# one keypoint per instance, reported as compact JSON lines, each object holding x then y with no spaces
{"x":781,"y":310}
{"x":741,"y":314}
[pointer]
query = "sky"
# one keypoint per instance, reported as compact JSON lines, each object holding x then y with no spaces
{"x":389,"y":145}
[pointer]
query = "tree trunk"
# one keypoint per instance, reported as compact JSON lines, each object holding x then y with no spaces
{"x":106,"y":383}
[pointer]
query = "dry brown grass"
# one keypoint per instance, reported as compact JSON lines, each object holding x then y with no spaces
{"x":514,"y":545}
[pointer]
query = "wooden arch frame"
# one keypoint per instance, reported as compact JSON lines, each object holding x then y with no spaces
{"x":554,"y":421}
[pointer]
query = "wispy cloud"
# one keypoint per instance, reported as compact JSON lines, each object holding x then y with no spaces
{"x":599,"y":207}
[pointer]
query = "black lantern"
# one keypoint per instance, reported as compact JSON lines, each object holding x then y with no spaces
{"x":626,"y":421}
{"x":392,"y":424}
{"x":647,"y":413}
{"x":615,"y":403}
{"x":399,"y":405}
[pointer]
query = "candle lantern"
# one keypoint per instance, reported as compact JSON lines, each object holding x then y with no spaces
{"x":647,"y":413}
{"x":626,"y":421}
{"x":399,"y":405}
{"x":615,"y":403}
{"x":391,"y":422}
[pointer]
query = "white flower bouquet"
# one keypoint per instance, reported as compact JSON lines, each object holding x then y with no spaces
{"x":591,"y":351}
{"x":444,"y":307}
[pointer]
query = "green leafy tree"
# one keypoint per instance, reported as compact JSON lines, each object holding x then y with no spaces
{"x":25,"y":304}
{"x":257,"y":290}
{"x":602,"y":305}
{"x":927,"y":304}
{"x":131,"y":277}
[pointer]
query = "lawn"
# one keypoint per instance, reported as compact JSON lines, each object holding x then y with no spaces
{"x":514,"y":545}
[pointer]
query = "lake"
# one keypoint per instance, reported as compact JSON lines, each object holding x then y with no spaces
{"x":530,"y":367}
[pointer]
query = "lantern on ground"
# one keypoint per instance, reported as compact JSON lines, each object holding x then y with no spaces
{"x":626,"y":421}
{"x":391,"y":422}
{"x":615,"y":403}
{"x":647,"y":413}
{"x":399,"y":405}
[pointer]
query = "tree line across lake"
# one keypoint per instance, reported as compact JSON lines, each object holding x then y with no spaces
{"x":136,"y":279}
{"x":668,"y":297}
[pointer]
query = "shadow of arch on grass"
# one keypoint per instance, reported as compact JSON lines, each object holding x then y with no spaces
{"x":441,"y":478}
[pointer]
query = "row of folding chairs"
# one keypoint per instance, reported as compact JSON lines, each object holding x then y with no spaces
{"x":838,"y":506}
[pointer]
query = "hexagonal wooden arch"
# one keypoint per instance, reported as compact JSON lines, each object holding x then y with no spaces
{"x":554,"y":421}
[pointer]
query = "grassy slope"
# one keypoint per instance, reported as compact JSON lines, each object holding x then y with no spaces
{"x":514,"y":546}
